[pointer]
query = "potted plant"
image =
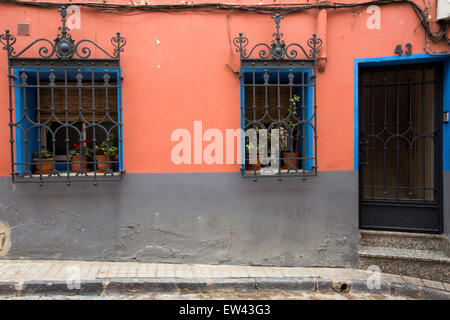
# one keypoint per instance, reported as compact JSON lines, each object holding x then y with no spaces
{"x":252,"y":151}
{"x":250,"y":162}
{"x":103,"y":150}
{"x":290,"y":157}
{"x":79,"y":161}
{"x":46,"y":164}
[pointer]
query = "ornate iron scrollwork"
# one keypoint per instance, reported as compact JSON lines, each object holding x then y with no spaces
{"x":63,"y":47}
{"x":277,"y":49}
{"x":8,"y":40}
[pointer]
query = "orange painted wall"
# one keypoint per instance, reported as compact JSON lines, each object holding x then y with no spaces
{"x":187,"y":76}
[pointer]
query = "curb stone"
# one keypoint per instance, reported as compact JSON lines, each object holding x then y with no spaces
{"x":435,"y":294}
{"x":191,"y":285}
{"x":307,"y":284}
{"x":285,"y":284}
{"x":123,"y":286}
{"x":361,"y":286}
{"x":324,"y":285}
{"x":47,"y":288}
{"x":8,"y":288}
{"x":407,"y":290}
{"x":90,"y":287}
{"x":233,"y":284}
{"x":140,"y":285}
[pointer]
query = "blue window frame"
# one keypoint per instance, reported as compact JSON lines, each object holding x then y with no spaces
{"x":91,"y":111}
{"x":266,"y":102}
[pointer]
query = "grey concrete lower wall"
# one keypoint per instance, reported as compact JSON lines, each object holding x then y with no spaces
{"x":187,"y":218}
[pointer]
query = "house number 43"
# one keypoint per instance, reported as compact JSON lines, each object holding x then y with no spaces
{"x":399,"y":50}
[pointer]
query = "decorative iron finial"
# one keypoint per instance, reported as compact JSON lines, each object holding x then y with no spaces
{"x":64,"y":44}
{"x":277,"y":19}
{"x":278,"y":46}
{"x":63,"y":12}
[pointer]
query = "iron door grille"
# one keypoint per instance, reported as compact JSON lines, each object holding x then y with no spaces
{"x":278,"y":92}
{"x":65,"y":109}
{"x":400,"y":145}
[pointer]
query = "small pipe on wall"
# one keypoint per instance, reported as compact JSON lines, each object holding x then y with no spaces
{"x":321,"y":32}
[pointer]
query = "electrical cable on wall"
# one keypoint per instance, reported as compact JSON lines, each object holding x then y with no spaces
{"x":126,"y":9}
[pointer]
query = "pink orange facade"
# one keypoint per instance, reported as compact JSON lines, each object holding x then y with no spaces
{"x":180,"y":65}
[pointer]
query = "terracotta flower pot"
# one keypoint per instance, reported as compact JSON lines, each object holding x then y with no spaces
{"x":77,"y":165}
{"x":252,"y":166}
{"x":288,"y":162}
{"x":102,"y":165}
{"x":47,"y":165}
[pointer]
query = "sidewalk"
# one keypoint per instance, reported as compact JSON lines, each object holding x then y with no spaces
{"x":36,"y":277}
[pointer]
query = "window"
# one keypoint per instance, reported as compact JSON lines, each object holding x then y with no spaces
{"x":65,"y":115}
{"x":279,"y":99}
{"x":65,"y":111}
{"x":278,"y":108}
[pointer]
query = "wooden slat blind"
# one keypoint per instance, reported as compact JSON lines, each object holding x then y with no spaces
{"x":272,"y":101}
{"x":73,"y":102}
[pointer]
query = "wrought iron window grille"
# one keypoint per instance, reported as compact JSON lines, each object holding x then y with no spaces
{"x":278,"y":91}
{"x":63,"y":98}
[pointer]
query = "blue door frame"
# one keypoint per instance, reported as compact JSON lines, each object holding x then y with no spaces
{"x":396,"y":61}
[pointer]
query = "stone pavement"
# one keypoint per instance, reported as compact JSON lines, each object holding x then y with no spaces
{"x":36,"y":277}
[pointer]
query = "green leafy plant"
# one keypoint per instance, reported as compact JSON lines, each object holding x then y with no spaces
{"x":250,"y":147}
{"x":45,"y":154}
{"x":285,"y":132}
{"x":294,"y":101}
{"x":106,"y":146}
